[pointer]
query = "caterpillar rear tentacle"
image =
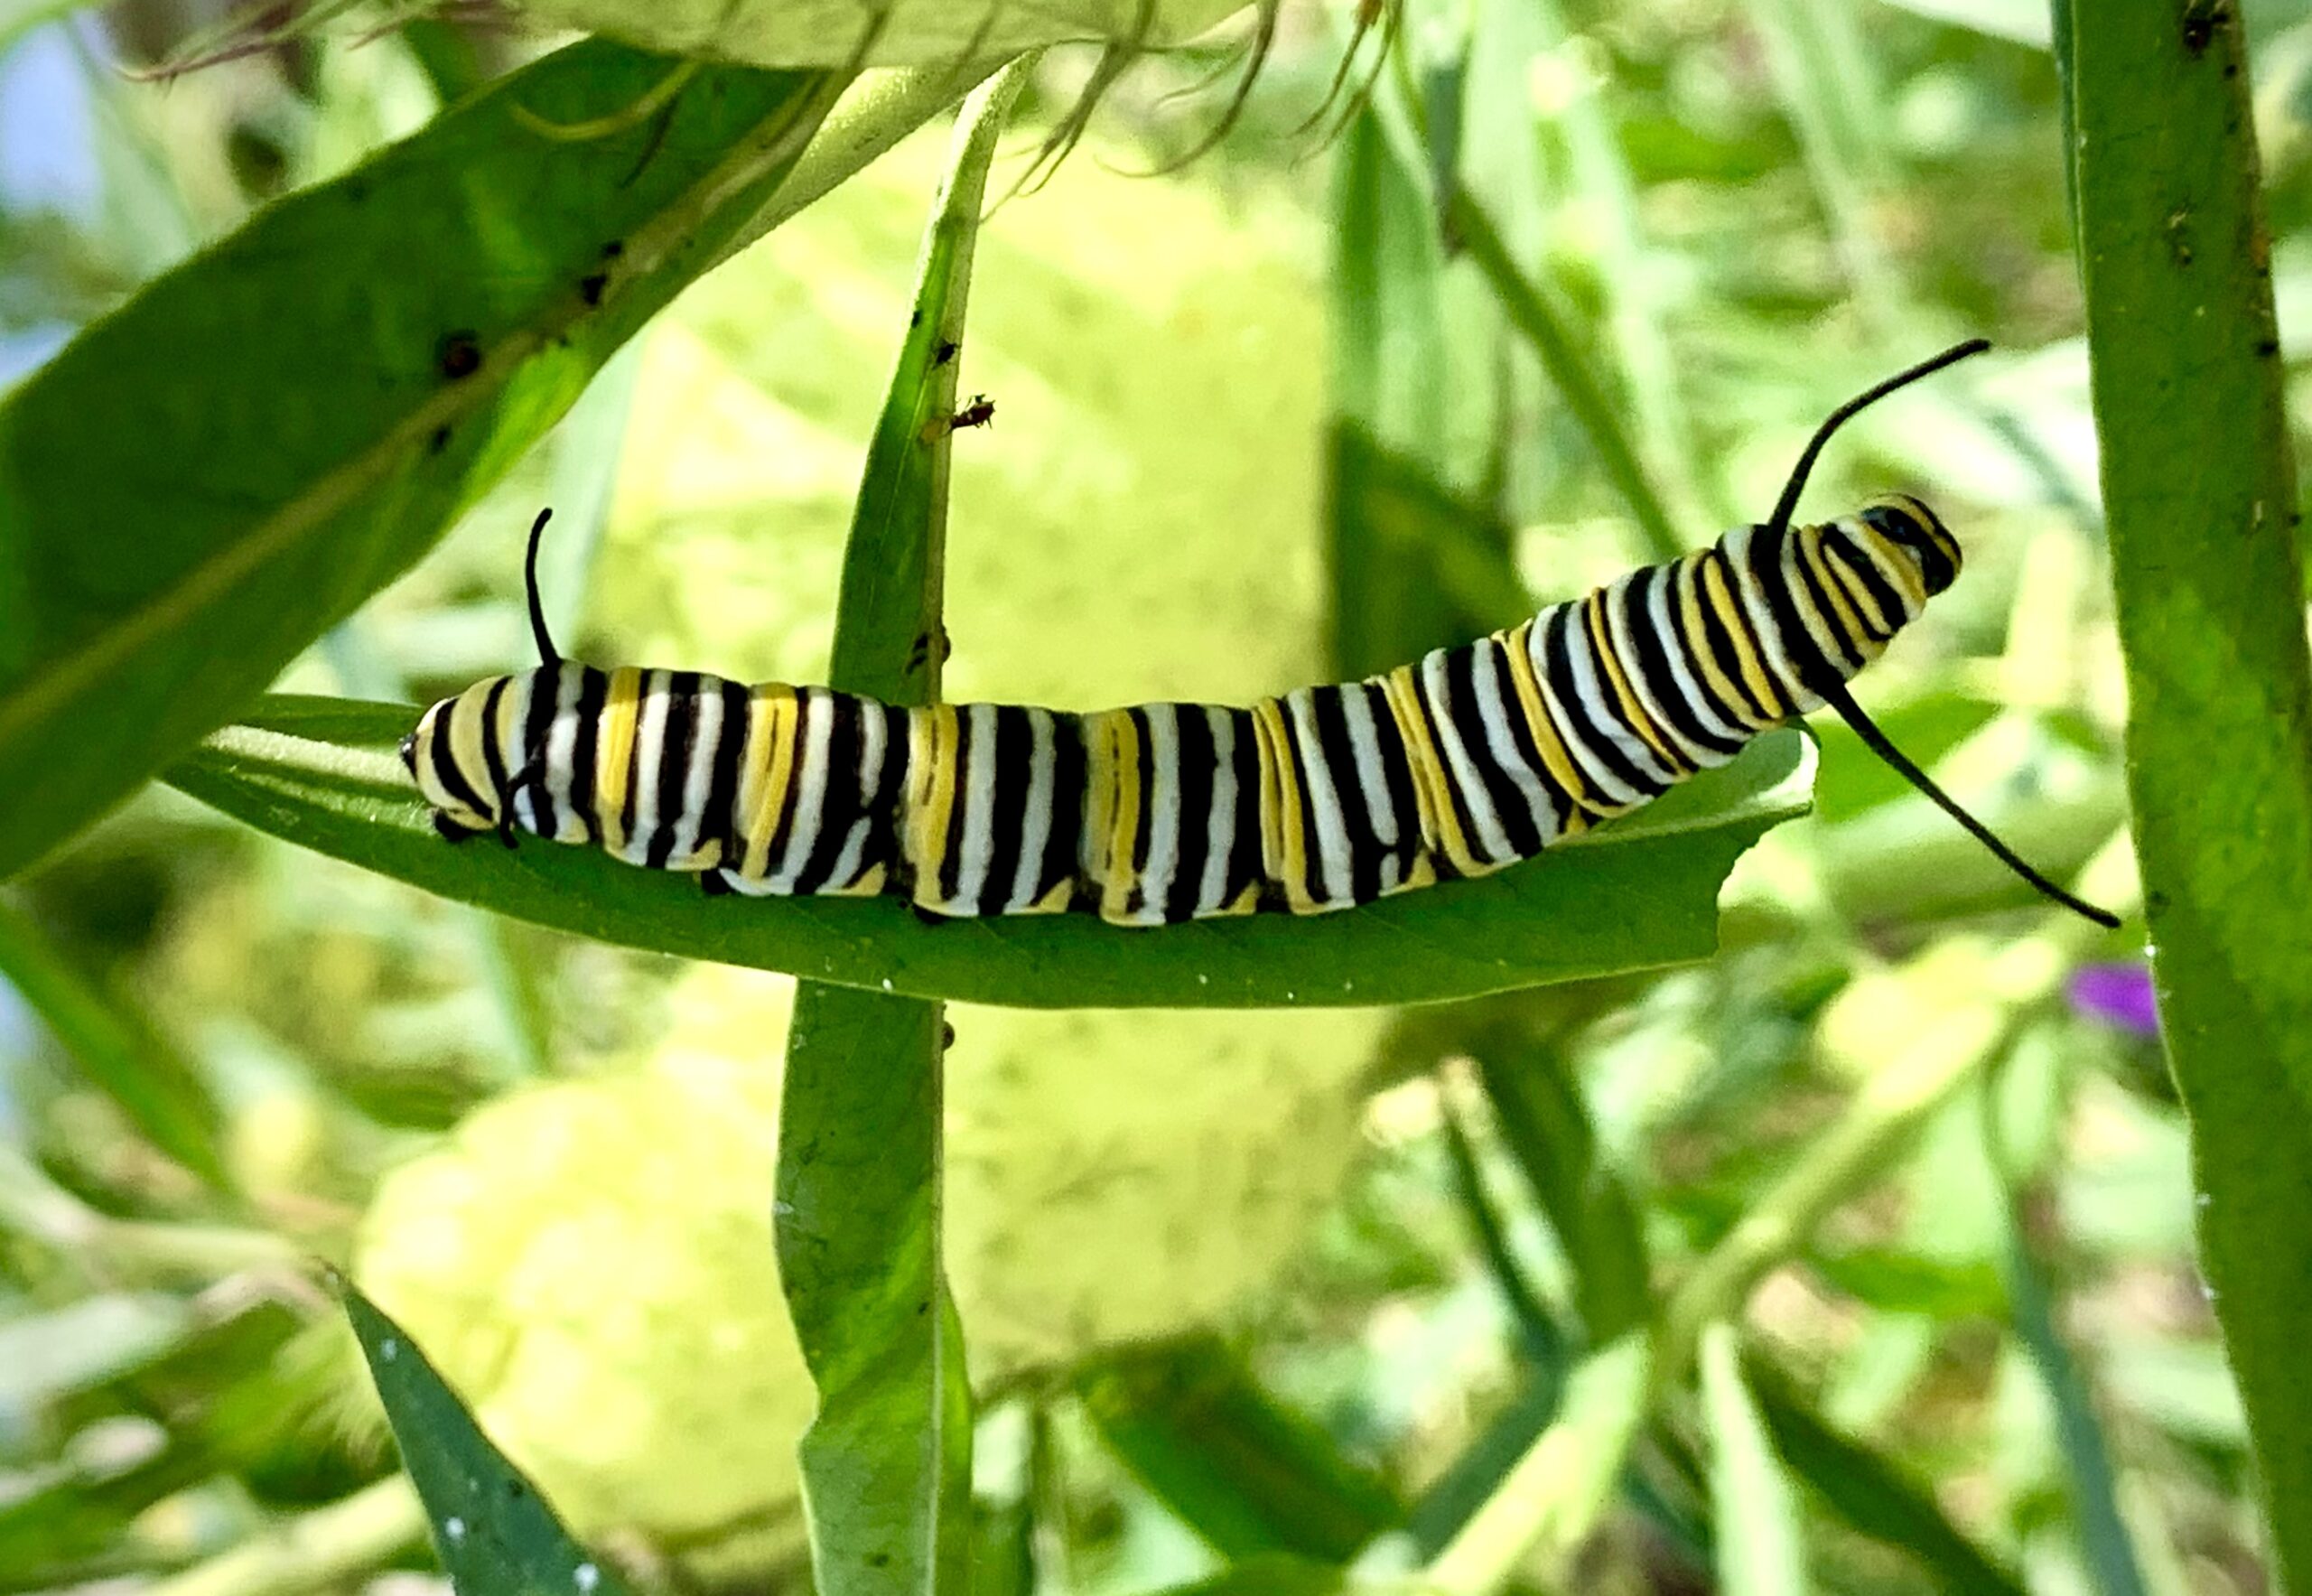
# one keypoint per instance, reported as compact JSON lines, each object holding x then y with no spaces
{"x":1324,"y":799}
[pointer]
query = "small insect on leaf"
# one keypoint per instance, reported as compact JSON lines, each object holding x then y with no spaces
{"x":978,"y":413}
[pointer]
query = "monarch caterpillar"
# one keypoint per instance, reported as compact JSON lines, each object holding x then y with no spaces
{"x":1323,"y":798}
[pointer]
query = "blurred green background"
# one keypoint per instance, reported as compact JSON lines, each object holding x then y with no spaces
{"x":1234,"y":1284}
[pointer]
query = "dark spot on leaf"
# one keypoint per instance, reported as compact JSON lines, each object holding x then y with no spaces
{"x":439,"y":441}
{"x":2268,"y":347}
{"x":613,"y":249}
{"x":945,"y":352}
{"x":878,"y":1560}
{"x":460,"y":355}
{"x":915,"y":317}
{"x":590,"y":287}
{"x":513,"y":1490}
{"x":356,"y":189}
{"x":2201,"y":19}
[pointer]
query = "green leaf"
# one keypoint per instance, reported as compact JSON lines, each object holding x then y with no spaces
{"x":886,"y":1463}
{"x":2109,"y":1549}
{"x":1854,"y":779}
{"x":1754,"y":1511}
{"x":1248,"y":1475}
{"x":120,"y":1053}
{"x":1412,"y":566}
{"x":1546,"y":1124}
{"x":322,"y":773}
{"x":493,"y":1532}
{"x":1544,"y":326}
{"x":2199,"y":494}
{"x":1546,"y":1505}
{"x":1873,"y":1494}
{"x":270,"y":431}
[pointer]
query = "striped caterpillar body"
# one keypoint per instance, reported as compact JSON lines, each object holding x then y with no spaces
{"x":1323,"y":798}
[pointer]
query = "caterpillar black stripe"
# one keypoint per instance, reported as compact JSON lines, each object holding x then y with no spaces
{"x":1324,"y":799}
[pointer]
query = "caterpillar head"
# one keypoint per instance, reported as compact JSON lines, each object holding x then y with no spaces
{"x":455,"y":755}
{"x":1906,"y":529}
{"x":466,"y":753}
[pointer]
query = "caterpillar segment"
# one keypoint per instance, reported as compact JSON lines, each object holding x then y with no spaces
{"x":1322,"y":799}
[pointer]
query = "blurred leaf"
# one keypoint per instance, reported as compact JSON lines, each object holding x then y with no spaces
{"x":119,"y":1052}
{"x":1753,"y":1509}
{"x":1546,"y":1505}
{"x":1389,"y":365}
{"x":1477,"y":1470}
{"x":1545,"y":1123}
{"x":1544,"y":1342}
{"x":2102,"y":1528}
{"x":1874,"y":1494}
{"x":494,"y":1534}
{"x":1412,"y":566}
{"x":225,"y":1397}
{"x":1854,"y":779}
{"x":1544,"y":327}
{"x":482,"y":270}
{"x":322,"y":773}
{"x":1269,"y":1576}
{"x":2200,"y":495}
{"x":830,"y":33}
{"x":1888,"y":1281}
{"x":2022,"y":22}
{"x":887,"y":1460}
{"x":43,"y":1354}
{"x":1248,"y":1475}
{"x":19,"y":17}
{"x":1003,"y":1555}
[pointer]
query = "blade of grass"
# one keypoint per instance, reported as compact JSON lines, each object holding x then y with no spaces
{"x":494,"y":1534}
{"x":322,"y":773}
{"x":887,"y":1461}
{"x":2104,"y":1539}
{"x":1546,"y":1505}
{"x":1872,"y":1492}
{"x":1543,"y":1341}
{"x":1753,"y":1509}
{"x":1248,"y":1475}
{"x":122,"y":1055}
{"x":1545,"y":1123}
{"x":2199,"y":493}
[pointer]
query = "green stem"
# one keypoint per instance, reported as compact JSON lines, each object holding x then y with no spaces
{"x":2200,"y":499}
{"x":1585,"y":398}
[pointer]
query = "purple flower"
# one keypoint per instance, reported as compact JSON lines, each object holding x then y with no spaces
{"x":2118,"y":995}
